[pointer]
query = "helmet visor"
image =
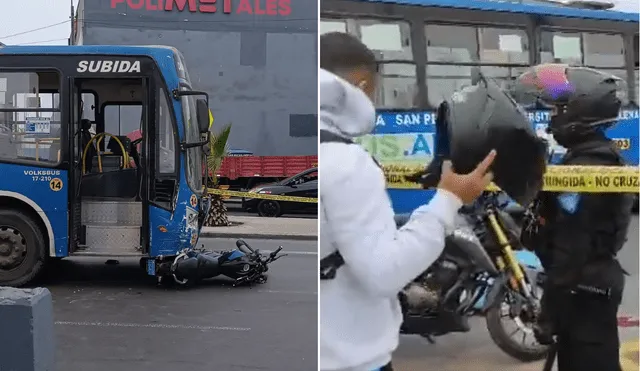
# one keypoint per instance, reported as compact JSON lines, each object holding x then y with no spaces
{"x":544,"y":85}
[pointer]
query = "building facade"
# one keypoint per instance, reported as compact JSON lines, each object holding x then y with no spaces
{"x":256,"y":58}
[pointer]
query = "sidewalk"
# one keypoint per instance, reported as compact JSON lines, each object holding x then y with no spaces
{"x":266,"y":228}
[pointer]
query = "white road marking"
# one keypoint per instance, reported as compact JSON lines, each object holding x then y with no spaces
{"x":289,"y":292}
{"x":152,"y":325}
{"x":292,"y":252}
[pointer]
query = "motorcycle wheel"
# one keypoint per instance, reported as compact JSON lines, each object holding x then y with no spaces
{"x":504,"y":339}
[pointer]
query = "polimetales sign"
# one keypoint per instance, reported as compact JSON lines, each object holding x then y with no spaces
{"x":255,"y":7}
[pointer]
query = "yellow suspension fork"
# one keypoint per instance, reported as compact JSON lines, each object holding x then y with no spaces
{"x":518,"y":278}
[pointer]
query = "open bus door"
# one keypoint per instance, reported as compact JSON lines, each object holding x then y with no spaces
{"x":110,"y":203}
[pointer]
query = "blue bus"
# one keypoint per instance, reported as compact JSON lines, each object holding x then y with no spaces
{"x":101,"y":153}
{"x":427,"y":49}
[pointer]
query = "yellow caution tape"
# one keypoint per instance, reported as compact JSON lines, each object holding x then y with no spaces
{"x":224,"y":188}
{"x":629,"y":355}
{"x":558,"y":178}
{"x":263,"y":196}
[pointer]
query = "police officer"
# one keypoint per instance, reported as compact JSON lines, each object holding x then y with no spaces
{"x":577,"y":235}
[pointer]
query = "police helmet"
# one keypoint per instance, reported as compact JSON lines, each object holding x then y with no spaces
{"x":581,"y":96}
{"x":482,"y":117}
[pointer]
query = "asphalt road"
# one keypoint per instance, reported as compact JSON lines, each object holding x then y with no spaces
{"x":114,"y":317}
{"x":474,"y":351}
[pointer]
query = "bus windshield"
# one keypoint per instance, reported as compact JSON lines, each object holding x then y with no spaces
{"x":191,"y":129}
{"x":192,"y":135}
{"x":181,"y":67}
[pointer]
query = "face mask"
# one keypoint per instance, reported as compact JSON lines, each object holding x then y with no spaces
{"x":562,"y":131}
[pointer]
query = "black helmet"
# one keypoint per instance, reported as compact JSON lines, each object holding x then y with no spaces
{"x":483,"y":117}
{"x":582,"y":98}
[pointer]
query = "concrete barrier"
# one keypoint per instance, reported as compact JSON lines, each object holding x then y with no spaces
{"x":26,"y":330}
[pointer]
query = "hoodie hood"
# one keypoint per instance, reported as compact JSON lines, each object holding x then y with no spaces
{"x":344,"y":109}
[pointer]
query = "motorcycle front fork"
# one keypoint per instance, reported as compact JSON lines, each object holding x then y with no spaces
{"x":517,"y":281}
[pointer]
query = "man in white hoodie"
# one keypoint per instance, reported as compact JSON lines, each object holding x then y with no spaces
{"x":360,"y":315}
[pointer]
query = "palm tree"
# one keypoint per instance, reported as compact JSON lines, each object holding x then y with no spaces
{"x":218,"y":150}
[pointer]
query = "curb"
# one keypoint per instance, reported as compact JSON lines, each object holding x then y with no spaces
{"x":292,"y":237}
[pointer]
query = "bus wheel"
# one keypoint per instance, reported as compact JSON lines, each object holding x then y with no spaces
{"x":22,"y":248}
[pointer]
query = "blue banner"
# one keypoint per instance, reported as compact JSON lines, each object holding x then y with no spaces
{"x":424,"y":121}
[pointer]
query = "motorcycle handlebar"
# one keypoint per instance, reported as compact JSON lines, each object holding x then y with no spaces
{"x":245,"y":248}
{"x":273,"y":254}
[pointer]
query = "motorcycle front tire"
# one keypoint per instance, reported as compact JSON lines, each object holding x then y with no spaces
{"x":500,"y":336}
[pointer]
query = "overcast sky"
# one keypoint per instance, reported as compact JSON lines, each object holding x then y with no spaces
{"x":24,"y":17}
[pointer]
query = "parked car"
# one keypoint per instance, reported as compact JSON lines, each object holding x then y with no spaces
{"x":304,"y":184}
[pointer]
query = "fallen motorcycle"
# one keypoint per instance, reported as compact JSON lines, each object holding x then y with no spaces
{"x":245,"y":265}
{"x":478,"y":263}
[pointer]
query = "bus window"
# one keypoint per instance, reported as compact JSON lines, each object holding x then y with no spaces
{"x":89,"y":106}
{"x":122,"y":119}
{"x":443,"y":80}
{"x":602,"y":50}
{"x":34,"y":133}
{"x":398,"y":87}
{"x":560,"y":47}
{"x":390,"y":39}
{"x":451,"y":44}
{"x":166,"y":152}
{"x":636,"y":97}
{"x":503,"y":46}
{"x":500,"y":53}
{"x":331,"y":25}
{"x":636,"y":51}
{"x":636,"y":57}
{"x":504,"y":76}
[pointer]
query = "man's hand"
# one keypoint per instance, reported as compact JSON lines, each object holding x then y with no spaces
{"x":467,"y":186}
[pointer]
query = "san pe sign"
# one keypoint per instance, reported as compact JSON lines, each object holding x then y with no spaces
{"x":254,"y":7}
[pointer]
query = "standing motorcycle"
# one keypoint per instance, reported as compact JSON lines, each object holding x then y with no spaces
{"x":478,"y":263}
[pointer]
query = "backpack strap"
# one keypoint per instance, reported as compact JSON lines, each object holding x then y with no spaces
{"x":329,"y":264}
{"x":328,"y":137}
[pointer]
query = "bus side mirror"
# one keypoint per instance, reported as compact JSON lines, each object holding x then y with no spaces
{"x":202,"y":113}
